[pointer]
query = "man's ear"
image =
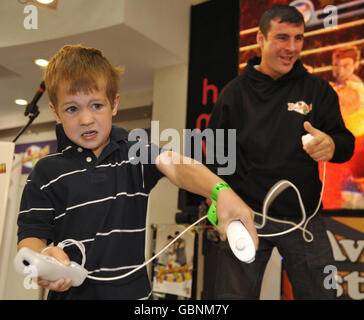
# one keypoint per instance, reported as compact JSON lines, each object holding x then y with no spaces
{"x":54,"y":110}
{"x":115,"y":105}
{"x":260,"y":39}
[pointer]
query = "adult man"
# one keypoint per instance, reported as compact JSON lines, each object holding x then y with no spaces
{"x":272,"y":105}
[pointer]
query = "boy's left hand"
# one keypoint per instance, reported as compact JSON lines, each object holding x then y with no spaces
{"x":231,"y":207}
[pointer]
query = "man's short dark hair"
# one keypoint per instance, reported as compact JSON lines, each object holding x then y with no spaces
{"x":283,"y":12}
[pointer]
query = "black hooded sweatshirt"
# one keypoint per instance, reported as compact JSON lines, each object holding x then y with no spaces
{"x":268,"y":134}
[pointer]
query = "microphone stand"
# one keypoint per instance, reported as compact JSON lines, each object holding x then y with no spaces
{"x":32,"y":115}
{"x":32,"y":110}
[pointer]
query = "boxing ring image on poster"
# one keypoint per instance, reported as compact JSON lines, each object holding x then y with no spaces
{"x":173,"y":269}
{"x":346,"y":181}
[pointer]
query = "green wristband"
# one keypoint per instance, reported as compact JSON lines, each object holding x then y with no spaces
{"x":218,"y":187}
{"x":212,"y":214}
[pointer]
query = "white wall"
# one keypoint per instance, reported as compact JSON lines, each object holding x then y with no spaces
{"x":169,"y":108}
{"x":14,"y":288}
{"x":164,"y":21}
{"x":74,"y":16}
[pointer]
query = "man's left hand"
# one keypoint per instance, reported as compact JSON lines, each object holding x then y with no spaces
{"x":322,"y":147}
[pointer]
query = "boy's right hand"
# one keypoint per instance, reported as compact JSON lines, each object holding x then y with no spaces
{"x":62,"y":284}
{"x":231,"y":207}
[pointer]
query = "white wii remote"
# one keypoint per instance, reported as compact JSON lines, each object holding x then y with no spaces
{"x":29,"y":262}
{"x":240,"y":242}
{"x":306,"y":138}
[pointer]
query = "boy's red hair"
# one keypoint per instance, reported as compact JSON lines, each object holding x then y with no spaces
{"x":81,"y":69}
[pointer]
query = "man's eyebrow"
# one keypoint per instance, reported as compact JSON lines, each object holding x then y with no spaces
{"x":287,"y":35}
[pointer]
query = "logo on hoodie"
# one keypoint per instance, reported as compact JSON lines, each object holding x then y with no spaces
{"x":300,"y":107}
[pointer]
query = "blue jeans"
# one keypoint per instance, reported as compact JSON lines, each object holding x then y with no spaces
{"x":303,"y":261}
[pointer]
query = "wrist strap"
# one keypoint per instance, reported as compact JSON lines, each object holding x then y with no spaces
{"x":217,"y":188}
{"x":45,"y":249}
{"x":211,"y":214}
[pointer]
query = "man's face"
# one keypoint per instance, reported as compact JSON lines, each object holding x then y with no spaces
{"x":342,"y":69}
{"x":86,"y":118}
{"x":281,"y":48}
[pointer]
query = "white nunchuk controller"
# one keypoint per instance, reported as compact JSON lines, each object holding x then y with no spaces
{"x":306,"y":138}
{"x":240,"y":242}
{"x":29,"y":262}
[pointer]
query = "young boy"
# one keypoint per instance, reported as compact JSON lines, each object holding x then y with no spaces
{"x":91,"y":192}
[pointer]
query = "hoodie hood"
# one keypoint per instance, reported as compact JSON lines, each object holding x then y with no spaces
{"x":265,"y":89}
{"x":297,"y":71}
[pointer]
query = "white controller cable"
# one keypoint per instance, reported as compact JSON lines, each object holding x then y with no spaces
{"x":279,"y":187}
{"x":81,"y":246}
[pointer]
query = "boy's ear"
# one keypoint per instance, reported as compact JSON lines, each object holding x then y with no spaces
{"x":54,"y":110}
{"x":115,"y":105}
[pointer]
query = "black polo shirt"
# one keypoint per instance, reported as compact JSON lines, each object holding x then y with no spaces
{"x":101,"y":202}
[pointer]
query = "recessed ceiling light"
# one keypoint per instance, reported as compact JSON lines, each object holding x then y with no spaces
{"x":41,"y":62}
{"x":21,"y":102}
{"x":45,"y":1}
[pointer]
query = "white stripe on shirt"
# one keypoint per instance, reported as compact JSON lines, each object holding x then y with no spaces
{"x":104,"y":234}
{"x":83,"y":170}
{"x":120,"y":230}
{"x":37,"y":209}
{"x":58,"y":153}
{"x":147,"y":297}
{"x":113,"y":164}
{"x":102,"y":200}
{"x":61,"y":176}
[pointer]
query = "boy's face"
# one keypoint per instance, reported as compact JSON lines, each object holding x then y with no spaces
{"x":281,"y":48}
{"x":86,"y":118}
